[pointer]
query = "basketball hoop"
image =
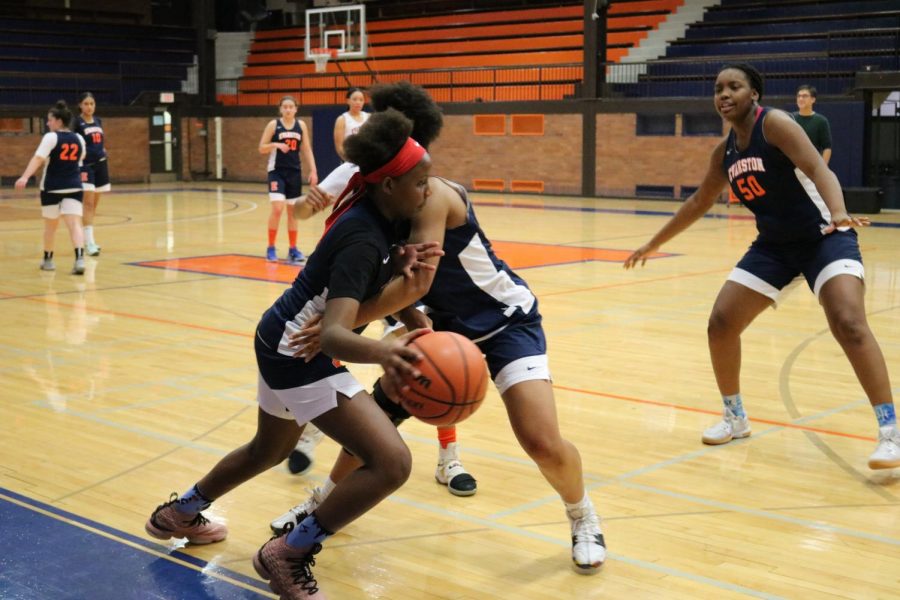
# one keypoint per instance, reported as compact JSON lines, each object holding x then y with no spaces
{"x":320,"y":56}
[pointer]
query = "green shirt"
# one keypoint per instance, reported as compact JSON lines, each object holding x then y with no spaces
{"x":816,"y":128}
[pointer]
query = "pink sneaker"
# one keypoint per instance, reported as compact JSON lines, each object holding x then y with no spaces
{"x":288,"y":570}
{"x":167,"y":522}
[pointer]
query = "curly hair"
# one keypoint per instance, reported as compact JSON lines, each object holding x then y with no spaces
{"x":414,"y":102}
{"x":378,"y":140}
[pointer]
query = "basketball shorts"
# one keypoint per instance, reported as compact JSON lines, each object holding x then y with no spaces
{"x":288,"y":388}
{"x":54,"y":204}
{"x":285,"y":186}
{"x":517,"y":353}
{"x":769,"y":268}
{"x":95,"y":176}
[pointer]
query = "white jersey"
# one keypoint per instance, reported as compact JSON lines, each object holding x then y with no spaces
{"x":338,"y":179}
{"x":351,"y":125}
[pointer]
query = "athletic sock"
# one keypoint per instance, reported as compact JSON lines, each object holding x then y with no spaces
{"x":446,"y":435}
{"x":307,"y":533}
{"x":292,"y":237}
{"x":887,"y":418}
{"x":735,"y":405}
{"x":88,"y":234}
{"x":273,"y":233}
{"x":193,"y":501}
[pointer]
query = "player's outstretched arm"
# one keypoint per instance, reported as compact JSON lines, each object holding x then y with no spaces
{"x":693,"y":208}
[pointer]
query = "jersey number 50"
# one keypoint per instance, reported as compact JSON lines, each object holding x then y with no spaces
{"x":750,"y":188}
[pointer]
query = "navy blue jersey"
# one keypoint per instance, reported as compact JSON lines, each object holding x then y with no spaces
{"x":93,"y":139}
{"x":474,"y":293}
{"x":289,"y":160}
{"x":352,"y":260}
{"x":787,"y":205}
{"x":62,"y":152}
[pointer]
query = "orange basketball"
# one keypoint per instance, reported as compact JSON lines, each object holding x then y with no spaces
{"x":453,"y":381}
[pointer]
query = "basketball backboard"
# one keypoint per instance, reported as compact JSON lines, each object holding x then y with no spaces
{"x":341,"y":29}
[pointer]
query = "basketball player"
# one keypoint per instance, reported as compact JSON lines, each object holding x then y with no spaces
{"x":350,"y":120}
{"x":409,"y":100}
{"x":95,"y":170}
{"x":351,"y":263}
{"x":284,"y":140}
{"x":301,"y":459}
{"x":475,"y":294}
{"x":804,"y":229}
{"x":61,"y":192}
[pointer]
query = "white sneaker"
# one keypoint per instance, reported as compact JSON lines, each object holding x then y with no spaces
{"x":453,"y":474}
{"x":729,"y":428}
{"x":78,"y":267}
{"x":887,"y":454}
{"x":92,"y":249}
{"x":301,"y":458}
{"x":588,"y":546}
{"x":47,"y":265}
{"x":292,"y":518}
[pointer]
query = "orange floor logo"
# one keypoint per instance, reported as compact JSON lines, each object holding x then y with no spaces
{"x":518,"y":255}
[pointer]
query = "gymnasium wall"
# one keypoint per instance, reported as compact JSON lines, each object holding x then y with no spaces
{"x":127,"y":140}
{"x":626,"y":160}
{"x":553,"y":158}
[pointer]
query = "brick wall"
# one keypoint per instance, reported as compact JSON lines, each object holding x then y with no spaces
{"x":625,"y":160}
{"x":127,"y":142}
{"x":240,"y":140}
{"x":554,"y":158}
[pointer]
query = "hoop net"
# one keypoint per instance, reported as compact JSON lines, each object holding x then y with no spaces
{"x":320,"y":56}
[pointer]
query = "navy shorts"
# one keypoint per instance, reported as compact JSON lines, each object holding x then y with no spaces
{"x":95,"y":176}
{"x":285,"y":185}
{"x":768,"y":268}
{"x":54,"y":198}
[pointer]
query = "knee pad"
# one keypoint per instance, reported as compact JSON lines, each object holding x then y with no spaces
{"x":395,"y":412}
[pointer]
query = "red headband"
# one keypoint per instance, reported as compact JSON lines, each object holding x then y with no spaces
{"x":409,"y":155}
{"x":406,"y":158}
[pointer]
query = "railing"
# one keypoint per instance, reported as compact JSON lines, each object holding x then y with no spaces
{"x":488,"y":84}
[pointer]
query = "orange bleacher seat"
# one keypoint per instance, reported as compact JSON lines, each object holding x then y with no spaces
{"x":525,"y":54}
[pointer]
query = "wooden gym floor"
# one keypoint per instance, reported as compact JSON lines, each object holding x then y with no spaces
{"x":126,"y":384}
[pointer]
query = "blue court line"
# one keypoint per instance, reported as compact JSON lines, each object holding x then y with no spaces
{"x":46,"y":552}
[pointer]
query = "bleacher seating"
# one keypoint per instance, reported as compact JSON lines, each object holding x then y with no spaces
{"x":822,"y":43}
{"x":524,"y":54}
{"x":43,"y":61}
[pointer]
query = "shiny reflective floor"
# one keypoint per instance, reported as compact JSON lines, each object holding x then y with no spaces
{"x":130,"y":382}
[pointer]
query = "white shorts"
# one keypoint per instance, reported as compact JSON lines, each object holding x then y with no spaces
{"x":68,"y":206}
{"x":281,"y":198}
{"x":90,"y":187}
{"x":305,"y":403}
{"x":527,"y":368}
